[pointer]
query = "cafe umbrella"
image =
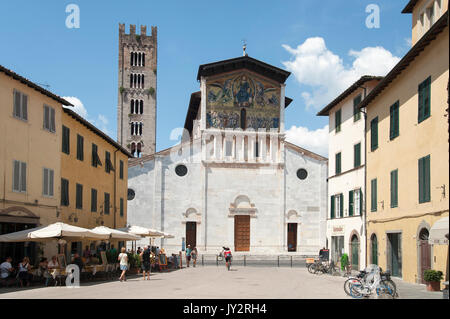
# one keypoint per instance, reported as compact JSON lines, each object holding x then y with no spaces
{"x":115,"y":233}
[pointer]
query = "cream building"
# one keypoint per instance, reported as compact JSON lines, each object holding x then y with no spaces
{"x":407,"y":150}
{"x":346,"y":173}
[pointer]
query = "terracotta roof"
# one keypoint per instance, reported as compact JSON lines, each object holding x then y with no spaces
{"x":25,"y":81}
{"x":420,"y":45}
{"x":347,"y":92}
{"x":247,"y":62}
{"x":97,"y":131}
{"x":410,"y":6}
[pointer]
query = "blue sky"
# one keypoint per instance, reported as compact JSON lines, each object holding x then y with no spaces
{"x":83,"y":63}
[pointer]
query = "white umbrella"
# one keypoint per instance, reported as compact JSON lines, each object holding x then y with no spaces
{"x":166,"y":235}
{"x":142,"y":231}
{"x":438,"y":231}
{"x":115,"y":234}
{"x":50,"y":232}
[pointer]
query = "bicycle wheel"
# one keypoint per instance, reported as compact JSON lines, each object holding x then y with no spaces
{"x":311,"y":268}
{"x":347,"y":285}
{"x":387,"y":289}
{"x":356,"y":289}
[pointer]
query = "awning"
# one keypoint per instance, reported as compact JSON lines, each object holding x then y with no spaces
{"x":438,"y":232}
{"x":142,"y":231}
{"x":115,"y":234}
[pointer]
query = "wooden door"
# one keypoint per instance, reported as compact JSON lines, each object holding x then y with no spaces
{"x":191,"y":234}
{"x":292,"y":237}
{"x":425,"y":257}
{"x":242,"y":233}
{"x":395,"y":254}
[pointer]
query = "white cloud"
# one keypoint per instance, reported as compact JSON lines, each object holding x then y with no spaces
{"x":101,"y":122}
{"x":315,"y":141}
{"x":324,"y":72}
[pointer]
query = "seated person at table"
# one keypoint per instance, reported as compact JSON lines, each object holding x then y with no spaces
{"x":6,"y":269}
{"x":87,"y":252}
{"x":43,"y":270}
{"x":93,"y":260}
{"x":78,"y":261}
{"x":24,"y":275}
{"x":53,"y":264}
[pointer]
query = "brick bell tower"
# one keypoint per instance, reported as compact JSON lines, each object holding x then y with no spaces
{"x":136,"y":109}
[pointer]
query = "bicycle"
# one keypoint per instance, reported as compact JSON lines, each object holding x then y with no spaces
{"x":385,"y":279}
{"x":327,"y":268}
{"x":373,"y":280}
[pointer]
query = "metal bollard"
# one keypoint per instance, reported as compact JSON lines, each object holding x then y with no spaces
{"x":278,"y":257}
{"x":202,"y":261}
{"x":245,"y":262}
{"x":291,"y":261}
{"x":217,"y":261}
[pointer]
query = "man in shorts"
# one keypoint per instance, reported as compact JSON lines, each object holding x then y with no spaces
{"x":145,"y":255}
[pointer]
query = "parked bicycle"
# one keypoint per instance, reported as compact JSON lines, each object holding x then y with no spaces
{"x":321,"y":267}
{"x":371,"y":280}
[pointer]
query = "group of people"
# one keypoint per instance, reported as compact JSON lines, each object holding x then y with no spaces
{"x":191,"y":253}
{"x":23,"y":270}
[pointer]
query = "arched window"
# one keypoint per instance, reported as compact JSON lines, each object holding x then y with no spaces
{"x":132,"y":128}
{"x":140,"y":128}
{"x":139,"y":59}
{"x":141,"y":104}
{"x":135,"y":59}
{"x":132,"y":106}
{"x":243,"y":119}
{"x":143,"y":59}
{"x":374,"y":249}
{"x":134,"y":80}
{"x":131,"y":80}
{"x":131,"y":58}
{"x":139,"y":150}
{"x":142,"y":81}
{"x":133,"y":149}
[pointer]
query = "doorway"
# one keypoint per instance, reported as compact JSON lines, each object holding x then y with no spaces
{"x":337,"y":247}
{"x":424,"y":253}
{"x":242,"y":233}
{"x":292,"y":237}
{"x":394,"y":255}
{"x":355,"y":252}
{"x":191,"y":234}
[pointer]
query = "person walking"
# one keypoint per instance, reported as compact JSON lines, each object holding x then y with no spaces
{"x":123,"y":258}
{"x":145,"y":255}
{"x":188,"y":255}
{"x":194,"y":255}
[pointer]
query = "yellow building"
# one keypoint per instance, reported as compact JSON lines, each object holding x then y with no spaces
{"x":407,"y":179}
{"x":30,"y":148}
{"x":93,"y":177}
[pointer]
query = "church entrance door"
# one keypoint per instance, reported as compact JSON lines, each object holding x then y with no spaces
{"x":191,"y":234}
{"x":242,"y":233}
{"x":292,"y":237}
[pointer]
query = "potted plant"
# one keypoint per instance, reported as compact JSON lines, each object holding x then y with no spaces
{"x":344,"y":262}
{"x":433,"y":279}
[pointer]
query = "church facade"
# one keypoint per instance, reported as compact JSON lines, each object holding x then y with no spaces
{"x":233,"y":180}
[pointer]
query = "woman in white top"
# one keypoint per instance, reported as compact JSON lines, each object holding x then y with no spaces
{"x":24,"y":275}
{"x":123,"y":258}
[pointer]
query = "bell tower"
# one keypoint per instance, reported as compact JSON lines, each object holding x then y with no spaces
{"x":136,"y":109}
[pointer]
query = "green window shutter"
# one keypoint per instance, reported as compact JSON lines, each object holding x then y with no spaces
{"x":338,"y":163}
{"x":121,"y":170}
{"x":93,"y":200}
{"x":332,"y":207}
{"x":421,"y":182}
{"x":64,"y":192}
{"x":374,"y":134}
{"x":121,"y":207}
{"x":80,"y":147}
{"x":106,"y":204}
{"x":350,"y":203}
{"x":361,"y":202}
{"x":356,"y":110}
{"x":373,"y":190}
{"x":341,"y":205}
{"x":357,"y":155}
{"x":337,"y":120}
{"x":66,"y":140}
{"x":394,"y":188}
{"x":79,"y":196}
{"x":424,"y":93}
{"x":426,"y":173}
{"x":394,"y":120}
